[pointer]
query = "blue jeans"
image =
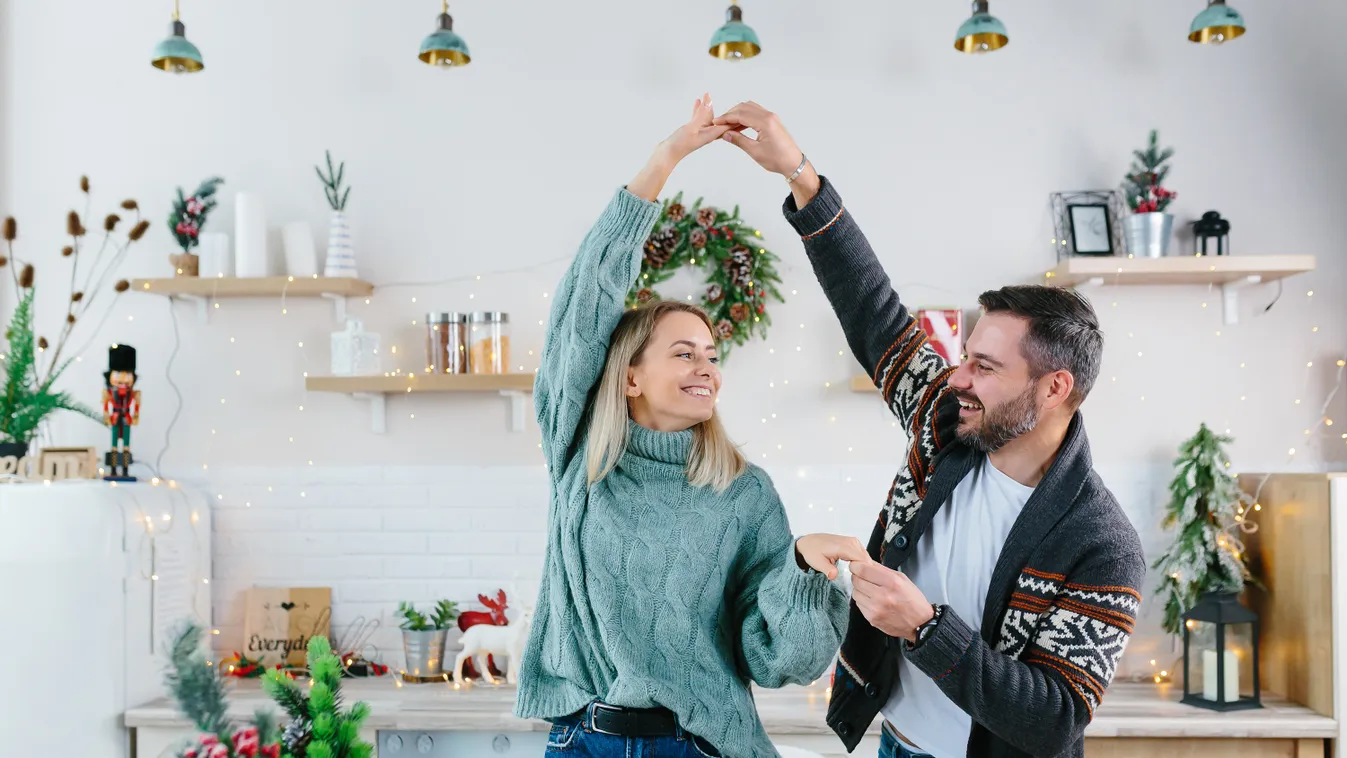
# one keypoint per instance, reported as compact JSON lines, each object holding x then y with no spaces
{"x":574,"y":737}
{"x":890,"y":747}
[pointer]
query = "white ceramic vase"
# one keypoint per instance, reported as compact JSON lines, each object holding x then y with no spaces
{"x":340,"y":251}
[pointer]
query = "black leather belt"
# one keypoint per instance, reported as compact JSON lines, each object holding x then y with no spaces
{"x":633,"y":722}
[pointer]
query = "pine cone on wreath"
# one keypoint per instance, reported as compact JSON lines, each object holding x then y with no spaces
{"x":677,"y":212}
{"x":714,"y":294}
{"x":661,"y":246}
{"x":644,"y":295}
{"x":740,"y":273}
{"x":739,"y":312}
{"x":296,"y":737}
{"x":706,"y":217}
{"x":698,"y":239}
{"x":724,"y":329}
{"x":742,"y":255}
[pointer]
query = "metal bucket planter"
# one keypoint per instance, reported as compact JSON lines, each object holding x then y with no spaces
{"x":424,"y":652}
{"x":1148,"y":234}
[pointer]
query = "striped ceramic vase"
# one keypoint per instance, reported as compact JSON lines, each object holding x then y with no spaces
{"x":340,"y":251}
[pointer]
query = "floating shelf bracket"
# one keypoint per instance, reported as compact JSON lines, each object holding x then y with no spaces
{"x":516,"y":399}
{"x":202,"y":306}
{"x":1230,"y":296}
{"x":378,"y":406}
{"x":338,"y":306}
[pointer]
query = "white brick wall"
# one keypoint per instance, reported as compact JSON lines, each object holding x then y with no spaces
{"x":378,"y":535}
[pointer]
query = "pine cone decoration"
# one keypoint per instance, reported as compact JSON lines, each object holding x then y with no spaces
{"x":739,"y":312}
{"x":296,"y":737}
{"x":677,"y":212}
{"x":654,"y":254}
{"x":724,"y":329}
{"x":740,"y":274}
{"x":644,"y":295}
{"x":714,"y":294}
{"x":741,"y":255}
{"x":706,"y":217}
{"x":697,"y":238}
{"x":661,"y":246}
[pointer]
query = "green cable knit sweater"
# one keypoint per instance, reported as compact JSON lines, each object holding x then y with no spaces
{"x":655,"y":592}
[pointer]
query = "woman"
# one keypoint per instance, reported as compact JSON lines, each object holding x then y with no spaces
{"x":671,"y":577}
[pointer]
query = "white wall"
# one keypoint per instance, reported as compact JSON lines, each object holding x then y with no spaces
{"x":946,"y":160}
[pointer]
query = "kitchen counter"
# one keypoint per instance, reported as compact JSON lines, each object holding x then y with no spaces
{"x":1128,"y":710}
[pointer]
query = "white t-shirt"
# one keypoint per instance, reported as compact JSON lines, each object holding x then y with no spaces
{"x":952,"y":565}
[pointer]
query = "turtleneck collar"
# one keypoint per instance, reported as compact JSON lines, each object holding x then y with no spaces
{"x":660,"y":447}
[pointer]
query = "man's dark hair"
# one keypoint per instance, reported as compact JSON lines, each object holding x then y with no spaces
{"x":1063,"y":332}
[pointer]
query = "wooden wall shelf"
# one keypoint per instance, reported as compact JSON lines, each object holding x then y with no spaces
{"x":376,"y":389}
{"x":204,"y":290}
{"x":1230,"y":273}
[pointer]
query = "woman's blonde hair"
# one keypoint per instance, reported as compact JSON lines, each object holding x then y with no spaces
{"x":714,"y":460}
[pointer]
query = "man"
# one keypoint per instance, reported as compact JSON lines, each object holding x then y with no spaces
{"x":1020,"y":575}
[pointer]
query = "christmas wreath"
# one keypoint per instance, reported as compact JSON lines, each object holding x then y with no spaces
{"x":740,"y":273}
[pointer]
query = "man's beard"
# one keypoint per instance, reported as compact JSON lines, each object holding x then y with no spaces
{"x":1007,"y":421}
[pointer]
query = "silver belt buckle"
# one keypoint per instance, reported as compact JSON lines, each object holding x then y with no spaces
{"x":593,"y":723}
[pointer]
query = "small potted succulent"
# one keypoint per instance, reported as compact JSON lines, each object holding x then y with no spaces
{"x":188,"y":216}
{"x":423,"y":637}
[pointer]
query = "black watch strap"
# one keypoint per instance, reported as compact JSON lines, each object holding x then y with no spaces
{"x":925,"y":631}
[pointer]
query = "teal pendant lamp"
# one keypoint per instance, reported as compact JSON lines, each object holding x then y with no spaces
{"x":444,"y":47}
{"x":175,"y":54}
{"x":1217,"y":24}
{"x":982,"y":33}
{"x":735,"y":41}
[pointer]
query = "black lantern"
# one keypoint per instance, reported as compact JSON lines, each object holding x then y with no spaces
{"x":1211,"y":226}
{"x":1220,"y":654}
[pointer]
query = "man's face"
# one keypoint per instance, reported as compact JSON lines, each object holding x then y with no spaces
{"x":998,"y":399}
{"x":121,"y":378}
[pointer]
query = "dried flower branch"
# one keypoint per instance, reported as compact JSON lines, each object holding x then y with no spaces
{"x":112,"y":250}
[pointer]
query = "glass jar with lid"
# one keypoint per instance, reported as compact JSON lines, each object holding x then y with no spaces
{"x":446,"y":343}
{"x":489,"y":343}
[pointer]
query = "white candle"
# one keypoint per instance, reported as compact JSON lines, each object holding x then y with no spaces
{"x":1209,"y":676}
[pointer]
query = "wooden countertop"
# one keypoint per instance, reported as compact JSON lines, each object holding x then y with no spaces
{"x":1128,"y":710}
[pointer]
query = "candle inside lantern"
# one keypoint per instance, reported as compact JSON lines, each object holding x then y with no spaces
{"x":1209,"y":688}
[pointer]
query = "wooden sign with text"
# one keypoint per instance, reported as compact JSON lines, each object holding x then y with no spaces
{"x":279,"y":621}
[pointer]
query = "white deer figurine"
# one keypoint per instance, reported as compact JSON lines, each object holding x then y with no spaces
{"x":486,"y":639}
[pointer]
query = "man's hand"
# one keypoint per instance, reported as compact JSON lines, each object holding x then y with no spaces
{"x":774,"y":149}
{"x":889,"y":600}
{"x":823,"y":551}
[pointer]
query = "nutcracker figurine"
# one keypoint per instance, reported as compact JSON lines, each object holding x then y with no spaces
{"x":121,"y":409}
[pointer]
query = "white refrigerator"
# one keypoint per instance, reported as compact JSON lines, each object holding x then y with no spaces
{"x":94,"y":577}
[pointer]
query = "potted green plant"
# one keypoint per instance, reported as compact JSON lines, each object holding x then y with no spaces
{"x":32,"y":364}
{"x":1149,"y":227}
{"x":423,"y":637}
{"x":26,"y":401}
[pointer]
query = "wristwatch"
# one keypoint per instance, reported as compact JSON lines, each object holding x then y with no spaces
{"x":926,"y":630}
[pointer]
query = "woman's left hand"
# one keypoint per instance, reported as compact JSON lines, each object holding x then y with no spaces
{"x":697,"y":133}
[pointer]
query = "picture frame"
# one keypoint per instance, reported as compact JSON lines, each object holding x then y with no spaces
{"x":58,"y":463}
{"x":1086,"y":203}
{"x":1091,"y":228}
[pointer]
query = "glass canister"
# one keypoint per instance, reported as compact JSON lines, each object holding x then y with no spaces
{"x":489,"y":343}
{"x":446,"y":343}
{"x":355,"y":352}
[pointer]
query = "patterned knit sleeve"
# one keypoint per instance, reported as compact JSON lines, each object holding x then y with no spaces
{"x":585,"y":310}
{"x":791,"y":621}
{"x":1061,"y":640}
{"x":882,"y":333}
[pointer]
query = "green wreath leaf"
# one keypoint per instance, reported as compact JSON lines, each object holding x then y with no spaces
{"x":740,"y":272}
